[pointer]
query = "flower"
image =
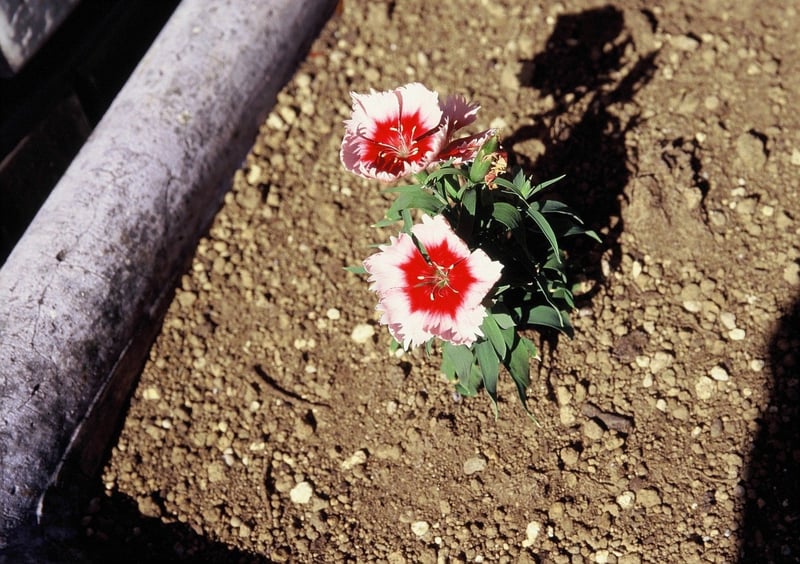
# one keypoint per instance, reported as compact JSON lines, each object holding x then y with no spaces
{"x":459,"y":113}
{"x":400,"y":132}
{"x":394,"y":133}
{"x":435,"y":289}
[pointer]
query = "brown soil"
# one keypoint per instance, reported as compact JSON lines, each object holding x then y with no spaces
{"x":272,"y":423}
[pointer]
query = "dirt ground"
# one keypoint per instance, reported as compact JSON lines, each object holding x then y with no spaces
{"x":272,"y":424}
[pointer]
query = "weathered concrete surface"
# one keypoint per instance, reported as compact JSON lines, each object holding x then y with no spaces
{"x":84,"y":290}
{"x":25,"y":26}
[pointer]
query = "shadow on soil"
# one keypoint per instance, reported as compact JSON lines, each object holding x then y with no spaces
{"x":770,"y":530}
{"x":581,"y":136}
{"x":85,"y":525}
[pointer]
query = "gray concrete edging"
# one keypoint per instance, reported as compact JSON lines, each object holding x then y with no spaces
{"x":83,"y":292}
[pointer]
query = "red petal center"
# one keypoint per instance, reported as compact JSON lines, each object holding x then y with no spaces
{"x":439,"y":286}
{"x":398,"y":141}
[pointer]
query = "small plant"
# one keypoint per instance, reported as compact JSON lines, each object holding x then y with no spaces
{"x":484,"y":262}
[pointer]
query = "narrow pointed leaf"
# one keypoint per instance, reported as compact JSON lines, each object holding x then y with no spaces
{"x":490,"y":367}
{"x":506,"y":214}
{"x":494,"y":335}
{"x":544,"y":226}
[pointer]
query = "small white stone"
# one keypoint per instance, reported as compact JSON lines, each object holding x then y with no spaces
{"x":736,"y":334}
{"x":625,"y":499}
{"x":795,"y":160}
{"x":636,"y":269}
{"x":791,"y":274}
{"x":531,"y":532}
{"x":362,"y":332}
{"x":756,"y":365}
{"x":301,"y":493}
{"x":602,"y":556}
{"x":474,"y":464}
{"x":661,"y":404}
{"x":333,"y":314}
{"x":420,"y":528}
{"x":719,"y":374}
{"x":151,"y":393}
{"x":358,"y":457}
{"x":728,"y":320}
{"x":704,"y":387}
{"x":692,"y":306}
{"x":660,"y":361}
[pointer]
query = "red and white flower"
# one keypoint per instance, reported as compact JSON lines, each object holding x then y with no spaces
{"x":436,"y":294}
{"x":459,"y":113}
{"x":400,"y":132}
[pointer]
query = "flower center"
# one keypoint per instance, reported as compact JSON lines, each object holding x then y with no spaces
{"x":438,"y":279}
{"x":396,"y":142}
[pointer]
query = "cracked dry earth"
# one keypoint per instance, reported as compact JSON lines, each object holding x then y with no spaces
{"x":271,"y":423}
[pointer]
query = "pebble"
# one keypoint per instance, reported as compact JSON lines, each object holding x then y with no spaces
{"x":593,"y":430}
{"x":531,"y":532}
{"x":333,"y":314}
{"x":474,"y":464}
{"x":692,"y":306}
{"x":750,"y":150}
{"x":660,"y":360}
{"x":358,"y":457}
{"x":719,"y":374}
{"x":704,"y":387}
{"x":728,"y":320}
{"x":151,"y":393}
{"x":569,"y":456}
{"x":625,"y":499}
{"x":648,"y":497}
{"x":301,"y":493}
{"x":420,"y":528}
{"x":736,"y":334}
{"x":602,"y":556}
{"x":216,"y":472}
{"x":254,"y":175}
{"x":685,"y":43}
{"x":362,"y":333}
{"x":791,"y":274}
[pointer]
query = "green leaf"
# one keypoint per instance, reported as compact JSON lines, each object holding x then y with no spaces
{"x":580,"y":230}
{"x":522,"y":186}
{"x":544,"y":226}
{"x":356,"y":269}
{"x":554,"y":206}
{"x":518,"y":365}
{"x":470,"y":201}
{"x":549,"y":316}
{"x":490,"y":367}
{"x":457,"y":361}
{"x":565,"y":294}
{"x":507,"y":184}
{"x":468,"y":386}
{"x":415,"y":200}
{"x":444,"y":171}
{"x":493,"y":333}
{"x":406,"y":189}
{"x":502,"y":318}
{"x":506,"y":214}
{"x":539,"y":187}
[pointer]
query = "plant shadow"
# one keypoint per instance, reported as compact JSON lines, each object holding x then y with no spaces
{"x":584,"y":70}
{"x":770,"y":528}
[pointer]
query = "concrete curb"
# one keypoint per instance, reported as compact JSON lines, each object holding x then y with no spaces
{"x":83,"y":292}
{"x":24,"y":27}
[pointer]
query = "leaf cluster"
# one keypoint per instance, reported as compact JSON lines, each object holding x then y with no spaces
{"x":509,"y":219}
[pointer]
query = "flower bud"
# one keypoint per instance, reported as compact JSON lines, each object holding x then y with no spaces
{"x":483,"y":160}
